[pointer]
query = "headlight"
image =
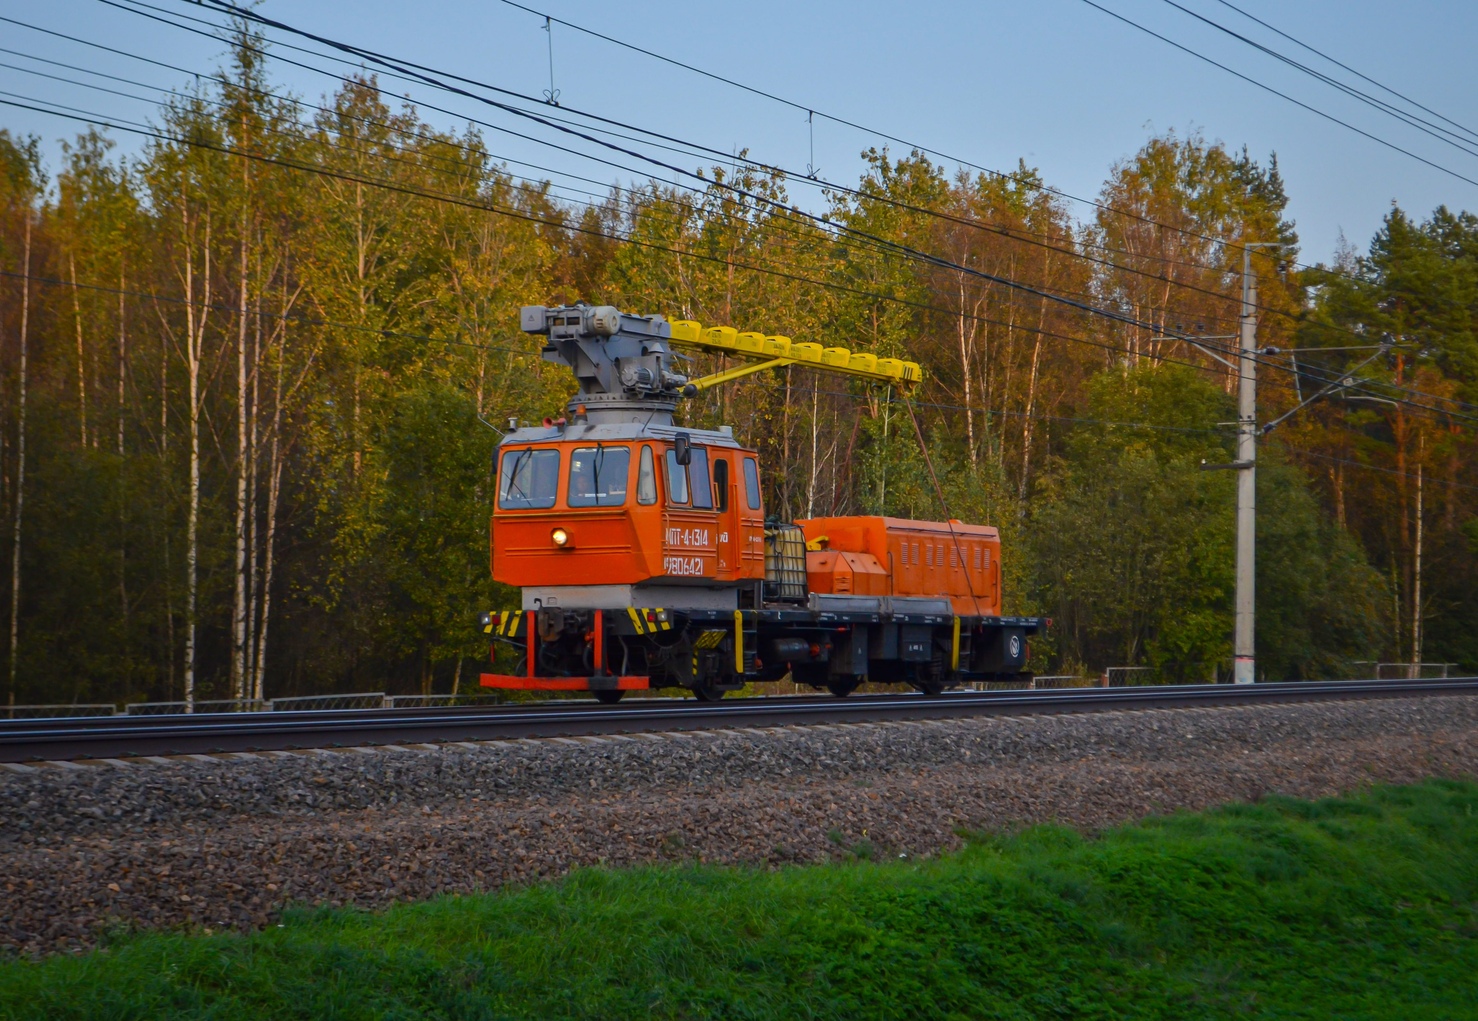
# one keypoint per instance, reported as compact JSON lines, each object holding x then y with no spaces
{"x":560,"y":537}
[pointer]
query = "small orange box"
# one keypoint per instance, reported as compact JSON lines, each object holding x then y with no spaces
{"x":844,"y":573}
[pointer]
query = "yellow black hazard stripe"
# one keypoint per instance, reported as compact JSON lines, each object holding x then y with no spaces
{"x":646,"y":627}
{"x":710,"y":639}
{"x":507,"y":626}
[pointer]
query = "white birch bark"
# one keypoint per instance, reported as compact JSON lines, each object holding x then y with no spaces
{"x":20,"y":468}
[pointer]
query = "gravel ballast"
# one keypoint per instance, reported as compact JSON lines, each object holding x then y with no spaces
{"x":227,"y":842}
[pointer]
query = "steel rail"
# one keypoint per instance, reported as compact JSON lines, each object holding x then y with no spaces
{"x":124,"y":736}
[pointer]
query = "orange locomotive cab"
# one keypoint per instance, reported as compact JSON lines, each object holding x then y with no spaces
{"x":613,"y":516}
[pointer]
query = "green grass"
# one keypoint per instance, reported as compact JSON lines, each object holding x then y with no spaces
{"x":1353,"y":908}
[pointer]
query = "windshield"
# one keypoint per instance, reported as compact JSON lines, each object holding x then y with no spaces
{"x":598,"y":476}
{"x":529,"y":479}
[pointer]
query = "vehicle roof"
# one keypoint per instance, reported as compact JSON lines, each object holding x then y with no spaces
{"x":618,"y":432}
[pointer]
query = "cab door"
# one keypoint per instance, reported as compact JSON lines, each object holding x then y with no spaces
{"x":690,"y":532}
{"x":751,"y":515}
{"x":726,"y":502}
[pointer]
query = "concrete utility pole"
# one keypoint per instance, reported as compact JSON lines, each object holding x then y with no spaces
{"x":1245,"y":648}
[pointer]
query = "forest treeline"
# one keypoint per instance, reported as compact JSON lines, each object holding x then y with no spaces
{"x":251,"y":379}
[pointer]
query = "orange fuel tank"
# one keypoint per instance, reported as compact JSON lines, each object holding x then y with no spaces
{"x":915,"y":558}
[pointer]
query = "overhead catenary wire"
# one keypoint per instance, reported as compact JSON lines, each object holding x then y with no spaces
{"x":809,"y":108}
{"x":423,"y":80}
{"x":429,"y":76}
{"x":451,"y":163}
{"x":1452,"y":483}
{"x":425,"y":75}
{"x":1320,"y":53}
{"x":1152,"y":328}
{"x":522,"y":349}
{"x":582,"y":229}
{"x":1283,"y":95}
{"x":1421,"y":124}
{"x":578,"y":228}
{"x":516,"y":350}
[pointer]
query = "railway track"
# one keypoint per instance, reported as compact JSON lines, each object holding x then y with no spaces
{"x":125,"y":736}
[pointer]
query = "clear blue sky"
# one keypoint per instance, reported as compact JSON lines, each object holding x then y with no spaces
{"x":1053,"y":82}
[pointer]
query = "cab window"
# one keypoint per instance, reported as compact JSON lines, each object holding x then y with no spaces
{"x":677,"y":479}
{"x":721,"y":483}
{"x":528,"y":479}
{"x":698,"y":482}
{"x":598,"y":476}
{"x":646,"y":479}
{"x":751,"y":483}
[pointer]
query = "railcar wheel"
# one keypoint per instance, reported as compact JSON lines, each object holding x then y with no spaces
{"x":707,"y":693}
{"x":608,"y":696}
{"x":841,"y":689}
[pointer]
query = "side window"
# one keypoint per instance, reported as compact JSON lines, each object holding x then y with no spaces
{"x":752,"y":483}
{"x":646,"y":479}
{"x":677,"y":479}
{"x":528,"y":479}
{"x":698,"y":479}
{"x":598,"y":476}
{"x":721,"y":483}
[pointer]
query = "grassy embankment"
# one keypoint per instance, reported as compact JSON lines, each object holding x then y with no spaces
{"x":1355,"y":908}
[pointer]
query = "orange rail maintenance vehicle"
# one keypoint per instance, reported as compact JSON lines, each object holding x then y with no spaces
{"x":646,"y":560}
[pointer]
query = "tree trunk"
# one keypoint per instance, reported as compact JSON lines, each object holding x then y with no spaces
{"x":122,"y":476}
{"x":815,"y":439}
{"x":122,"y":358}
{"x":1031,"y":400}
{"x":243,"y":455}
{"x":253,"y":540}
{"x":194,"y":347}
{"x":20,"y":469}
{"x":966,"y":361}
{"x":81,"y":357}
{"x":1416,"y":584}
{"x":274,"y":490}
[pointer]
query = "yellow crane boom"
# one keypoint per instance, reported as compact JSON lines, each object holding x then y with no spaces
{"x":776,"y":352}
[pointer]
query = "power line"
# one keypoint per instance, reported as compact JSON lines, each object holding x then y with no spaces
{"x":425,"y":75}
{"x":1383,"y":471}
{"x":824,"y":222}
{"x":1426,"y":127}
{"x":749,"y":162}
{"x":1282,"y":95}
{"x":520,"y":214}
{"x":811,"y":110}
{"x":1346,"y":67}
{"x":899,"y":248}
{"x":515,"y":349}
{"x":84,"y":116}
{"x":294,"y":317}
